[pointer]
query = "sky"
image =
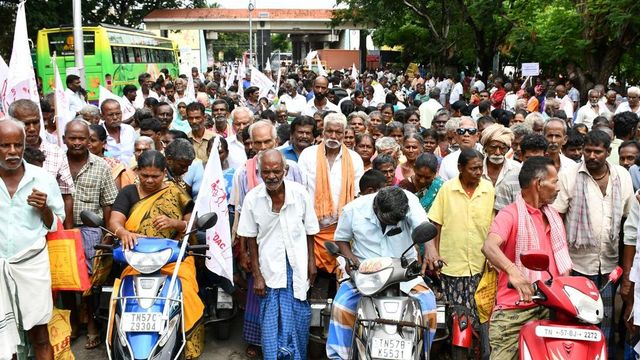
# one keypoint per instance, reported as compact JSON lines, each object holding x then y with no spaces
{"x":278,"y":4}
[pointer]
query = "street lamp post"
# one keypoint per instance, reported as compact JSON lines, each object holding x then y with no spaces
{"x":78,"y":40}
{"x":251,"y":8}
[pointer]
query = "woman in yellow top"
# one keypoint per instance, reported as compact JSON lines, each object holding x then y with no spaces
{"x":155,"y":208}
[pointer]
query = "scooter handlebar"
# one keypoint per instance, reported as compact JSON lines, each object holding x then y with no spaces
{"x":105,"y":247}
{"x":197,"y":247}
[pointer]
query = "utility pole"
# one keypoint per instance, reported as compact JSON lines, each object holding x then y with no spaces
{"x":251,"y":8}
{"x":78,"y":40}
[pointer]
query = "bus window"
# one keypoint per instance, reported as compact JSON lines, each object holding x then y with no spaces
{"x":119,"y":55}
{"x":131,"y":57}
{"x":62,"y":43}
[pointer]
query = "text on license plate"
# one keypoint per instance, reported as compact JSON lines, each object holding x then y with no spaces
{"x":391,"y":348}
{"x":141,"y":322}
{"x":568,"y":333}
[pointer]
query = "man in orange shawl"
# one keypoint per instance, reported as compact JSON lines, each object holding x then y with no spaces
{"x":331,"y":173}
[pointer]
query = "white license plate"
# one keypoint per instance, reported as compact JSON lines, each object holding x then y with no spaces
{"x":441,"y":314}
{"x":141,"y":322}
{"x":391,"y":349}
{"x":568,"y":333}
{"x":225,"y":301}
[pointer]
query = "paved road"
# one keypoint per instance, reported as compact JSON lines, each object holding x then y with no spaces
{"x":232,"y":349}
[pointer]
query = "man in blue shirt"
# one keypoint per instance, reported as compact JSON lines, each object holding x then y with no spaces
{"x":302,"y":129}
{"x":376,"y":225}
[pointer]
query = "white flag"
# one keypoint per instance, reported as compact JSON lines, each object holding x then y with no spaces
{"x":267,"y":66}
{"x":191,"y":87}
{"x":309,"y":58}
{"x":213,"y":198}
{"x":231,"y":76}
{"x":4,"y":72}
{"x":354,"y":72}
{"x":321,"y":70}
{"x":21,"y":80}
{"x":242,"y":72}
{"x":62,"y":103}
{"x":261,"y":81}
{"x":278,"y":80}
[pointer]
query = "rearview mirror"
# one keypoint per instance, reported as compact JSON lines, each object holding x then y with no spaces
{"x":615,"y":274}
{"x":332,"y":248}
{"x":207,"y":221}
{"x":423,"y":233}
{"x":90,"y":219}
{"x":535,"y":260}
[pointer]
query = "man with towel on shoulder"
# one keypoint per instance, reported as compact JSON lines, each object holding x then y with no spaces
{"x":331,"y":173}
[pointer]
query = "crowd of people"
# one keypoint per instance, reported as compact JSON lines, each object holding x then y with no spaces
{"x":499,"y":166}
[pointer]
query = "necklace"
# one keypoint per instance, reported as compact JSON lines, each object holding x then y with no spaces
{"x":602,"y":177}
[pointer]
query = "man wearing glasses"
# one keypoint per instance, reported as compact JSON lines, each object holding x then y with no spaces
{"x":467,"y":137}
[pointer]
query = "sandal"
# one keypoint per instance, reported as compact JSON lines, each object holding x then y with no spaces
{"x":93,"y":341}
{"x":253,"y":351}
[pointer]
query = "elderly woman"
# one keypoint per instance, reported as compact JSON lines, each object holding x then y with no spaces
{"x":358,"y":121}
{"x":91,"y":114}
{"x":425,"y":182}
{"x":389,"y":146}
{"x":386,"y":164}
{"x":365,"y":147}
{"x":395,"y":129}
{"x":158,"y":209}
{"x":496,"y":141}
{"x":412,"y":147}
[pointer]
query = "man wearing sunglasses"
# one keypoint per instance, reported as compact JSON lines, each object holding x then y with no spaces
{"x":467,"y":137}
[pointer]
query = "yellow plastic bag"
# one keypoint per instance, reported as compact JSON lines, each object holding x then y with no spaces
{"x":485,"y":295}
{"x":60,"y":334}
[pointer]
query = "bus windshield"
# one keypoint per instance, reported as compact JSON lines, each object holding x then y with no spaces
{"x":61,"y":43}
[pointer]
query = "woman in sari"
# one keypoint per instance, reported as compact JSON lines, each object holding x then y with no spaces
{"x":97,"y":146}
{"x":424,"y":182}
{"x":155,"y":208}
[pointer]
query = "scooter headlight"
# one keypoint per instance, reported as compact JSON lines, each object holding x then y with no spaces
{"x":147,"y":263}
{"x":588,"y":310}
{"x":369,"y":284}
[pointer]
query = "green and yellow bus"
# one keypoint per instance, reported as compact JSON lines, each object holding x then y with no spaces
{"x":111,"y":53}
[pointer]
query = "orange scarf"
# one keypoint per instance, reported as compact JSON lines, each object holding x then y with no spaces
{"x":323,"y":198}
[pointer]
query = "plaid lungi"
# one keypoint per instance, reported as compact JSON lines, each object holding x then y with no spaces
{"x":251,"y":329}
{"x":607,"y":294}
{"x":285,"y":323}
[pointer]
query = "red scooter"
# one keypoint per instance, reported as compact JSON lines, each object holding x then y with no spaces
{"x":577,"y":308}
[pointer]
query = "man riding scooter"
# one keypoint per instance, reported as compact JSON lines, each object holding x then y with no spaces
{"x":377,"y":225}
{"x":530,"y":223}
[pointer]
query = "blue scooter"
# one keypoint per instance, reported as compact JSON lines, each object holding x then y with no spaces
{"x":145,"y":320}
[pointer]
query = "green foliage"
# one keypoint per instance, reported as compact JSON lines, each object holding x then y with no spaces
{"x":280,"y":42}
{"x":230,"y":45}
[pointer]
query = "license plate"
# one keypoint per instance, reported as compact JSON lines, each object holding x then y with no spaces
{"x":568,"y":333}
{"x":225,"y":301}
{"x":441,"y":314}
{"x":391,"y":349}
{"x":141,"y":322}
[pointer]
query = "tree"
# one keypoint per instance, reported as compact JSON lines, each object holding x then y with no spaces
{"x":280,"y":42}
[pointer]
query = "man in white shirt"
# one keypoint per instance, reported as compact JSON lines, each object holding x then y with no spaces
{"x":319,"y":101}
{"x":241,"y":117}
{"x":591,"y":110}
{"x":467,"y":137}
{"x":456,"y":90}
{"x":120,"y":137}
{"x":295,"y":102}
{"x":566,"y":103}
{"x":75,"y":94}
{"x":279,"y":223}
{"x":429,"y":108}
{"x":555,"y":131}
{"x":145,"y":91}
{"x":332,"y":181}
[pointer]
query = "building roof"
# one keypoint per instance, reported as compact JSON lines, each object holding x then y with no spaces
{"x":237,"y":14}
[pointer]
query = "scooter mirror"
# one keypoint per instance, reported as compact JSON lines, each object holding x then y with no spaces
{"x":332,"y":248}
{"x":535,"y":260}
{"x":424,"y":233}
{"x":90,"y":219}
{"x":207,"y":221}
{"x":615,"y":274}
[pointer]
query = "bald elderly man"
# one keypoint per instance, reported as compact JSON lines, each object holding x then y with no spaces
{"x":496,"y":141}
